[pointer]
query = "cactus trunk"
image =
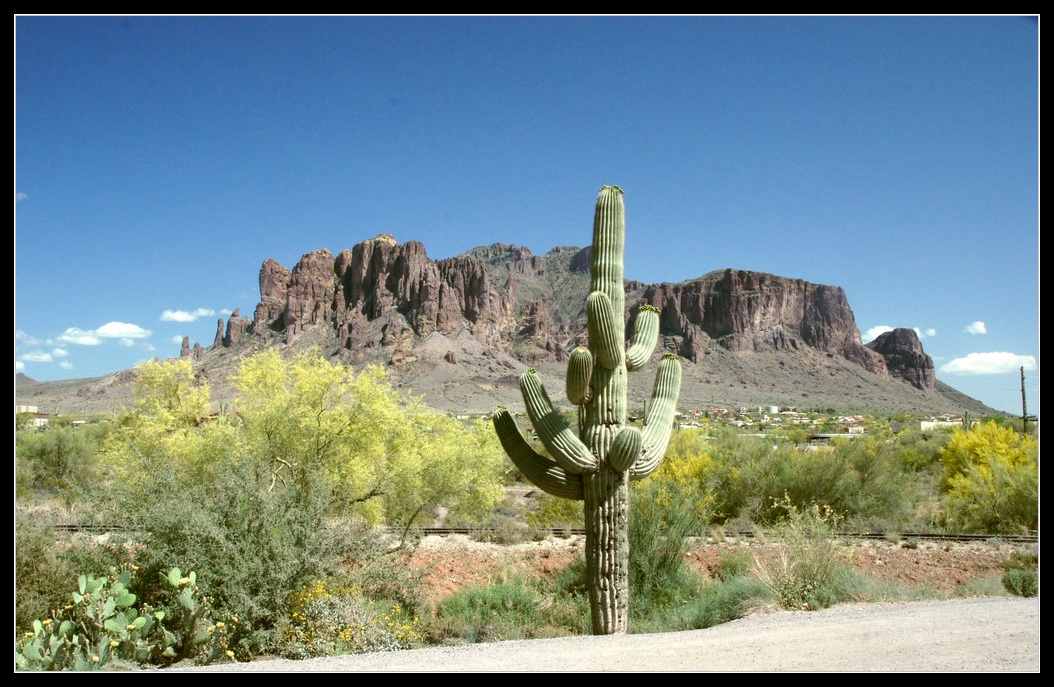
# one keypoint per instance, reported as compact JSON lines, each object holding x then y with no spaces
{"x":596,"y":463}
{"x":607,"y":549}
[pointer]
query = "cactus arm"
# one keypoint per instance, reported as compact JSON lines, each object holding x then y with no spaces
{"x":658,"y":423}
{"x":609,"y":244}
{"x":579,"y":376}
{"x":645,"y":335}
{"x":541,"y":471}
{"x":562,"y":443}
{"x":625,"y":449}
{"x":605,"y":336}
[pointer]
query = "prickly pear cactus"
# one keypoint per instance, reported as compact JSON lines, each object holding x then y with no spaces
{"x":596,"y":463}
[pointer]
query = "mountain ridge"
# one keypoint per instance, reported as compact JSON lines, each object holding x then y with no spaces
{"x":458,"y":332}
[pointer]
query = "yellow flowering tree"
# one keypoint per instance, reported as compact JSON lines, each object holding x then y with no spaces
{"x":991,"y":480}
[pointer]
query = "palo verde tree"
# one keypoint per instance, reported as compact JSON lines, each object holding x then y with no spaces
{"x":596,"y":463}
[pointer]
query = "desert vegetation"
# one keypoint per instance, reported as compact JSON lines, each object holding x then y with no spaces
{"x":256,"y":529}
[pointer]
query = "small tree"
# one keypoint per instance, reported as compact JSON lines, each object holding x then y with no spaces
{"x":991,"y":480}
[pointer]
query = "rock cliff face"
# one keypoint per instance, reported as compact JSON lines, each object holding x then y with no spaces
{"x":386,"y":295}
{"x":752,"y":311}
{"x":905,"y":359}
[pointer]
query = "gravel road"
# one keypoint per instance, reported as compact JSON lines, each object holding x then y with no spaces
{"x":985,"y":634}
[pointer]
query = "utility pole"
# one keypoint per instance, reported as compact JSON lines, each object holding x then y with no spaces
{"x":1025,"y":417}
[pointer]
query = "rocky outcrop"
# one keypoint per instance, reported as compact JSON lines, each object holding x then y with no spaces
{"x":382,"y":294}
{"x":236,"y":328}
{"x":752,"y":311}
{"x":905,"y":359}
{"x":217,"y":341}
{"x":274,"y":282}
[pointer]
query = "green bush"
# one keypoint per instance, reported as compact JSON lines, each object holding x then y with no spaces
{"x":810,"y":560}
{"x":502,"y":611}
{"x":57,"y":459}
{"x":733,"y":563}
{"x":46,"y":561}
{"x":252,"y":543}
{"x":661,"y":525}
{"x":1021,"y":582}
{"x":332,"y":618}
{"x":1021,"y":574}
{"x":863,"y":479}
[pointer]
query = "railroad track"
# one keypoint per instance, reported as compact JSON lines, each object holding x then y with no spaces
{"x":567,"y":532}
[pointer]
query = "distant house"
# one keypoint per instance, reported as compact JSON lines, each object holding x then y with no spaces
{"x":31,"y":416}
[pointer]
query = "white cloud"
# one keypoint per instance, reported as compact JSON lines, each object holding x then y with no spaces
{"x":185,"y":315}
{"x":925,"y":333}
{"x":20,"y":196}
{"x":122,"y":330}
{"x":126,"y":342}
{"x":37,"y":357}
{"x":177,"y":339}
{"x":977,"y":328}
{"x":20,"y":366}
{"x":59,"y":353}
{"x":66,"y":365}
{"x":988,"y":364}
{"x":26,"y":338}
{"x":875,"y":332}
{"x":81,"y":337}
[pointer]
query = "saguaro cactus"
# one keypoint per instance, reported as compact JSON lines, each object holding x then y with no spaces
{"x":596,"y":464}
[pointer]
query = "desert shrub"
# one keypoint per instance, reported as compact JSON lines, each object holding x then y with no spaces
{"x":500,"y":528}
{"x":716,"y":603}
{"x":553,"y":511}
{"x":501,"y":611}
{"x":252,"y":544}
{"x":863,"y":480}
{"x":41,"y":577}
{"x":810,"y":560}
{"x":1021,"y":574}
{"x":663,"y":520}
{"x":733,"y":563}
{"x":333,"y":617}
{"x":57,"y":459}
{"x":919,"y":450}
{"x":46,"y":561}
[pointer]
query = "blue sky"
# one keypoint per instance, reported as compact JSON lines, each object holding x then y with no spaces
{"x":160,"y":161}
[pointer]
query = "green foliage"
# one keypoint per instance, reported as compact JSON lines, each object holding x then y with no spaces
{"x":555,"y":512}
{"x":663,"y":522}
{"x":1021,"y":574}
{"x":102,"y":625}
{"x":742,"y":478}
{"x":57,"y":459}
{"x":384,"y":461}
{"x":501,"y":611}
{"x":991,"y":480}
{"x":331,"y":617}
{"x":251,"y":544}
{"x":733,"y":563}
{"x":248,"y":499}
{"x":810,"y":562}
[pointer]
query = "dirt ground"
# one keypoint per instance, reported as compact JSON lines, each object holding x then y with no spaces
{"x":456,"y":562}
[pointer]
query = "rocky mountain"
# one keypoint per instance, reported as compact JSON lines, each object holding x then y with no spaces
{"x":461,"y":330}
{"x":905,"y":359}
